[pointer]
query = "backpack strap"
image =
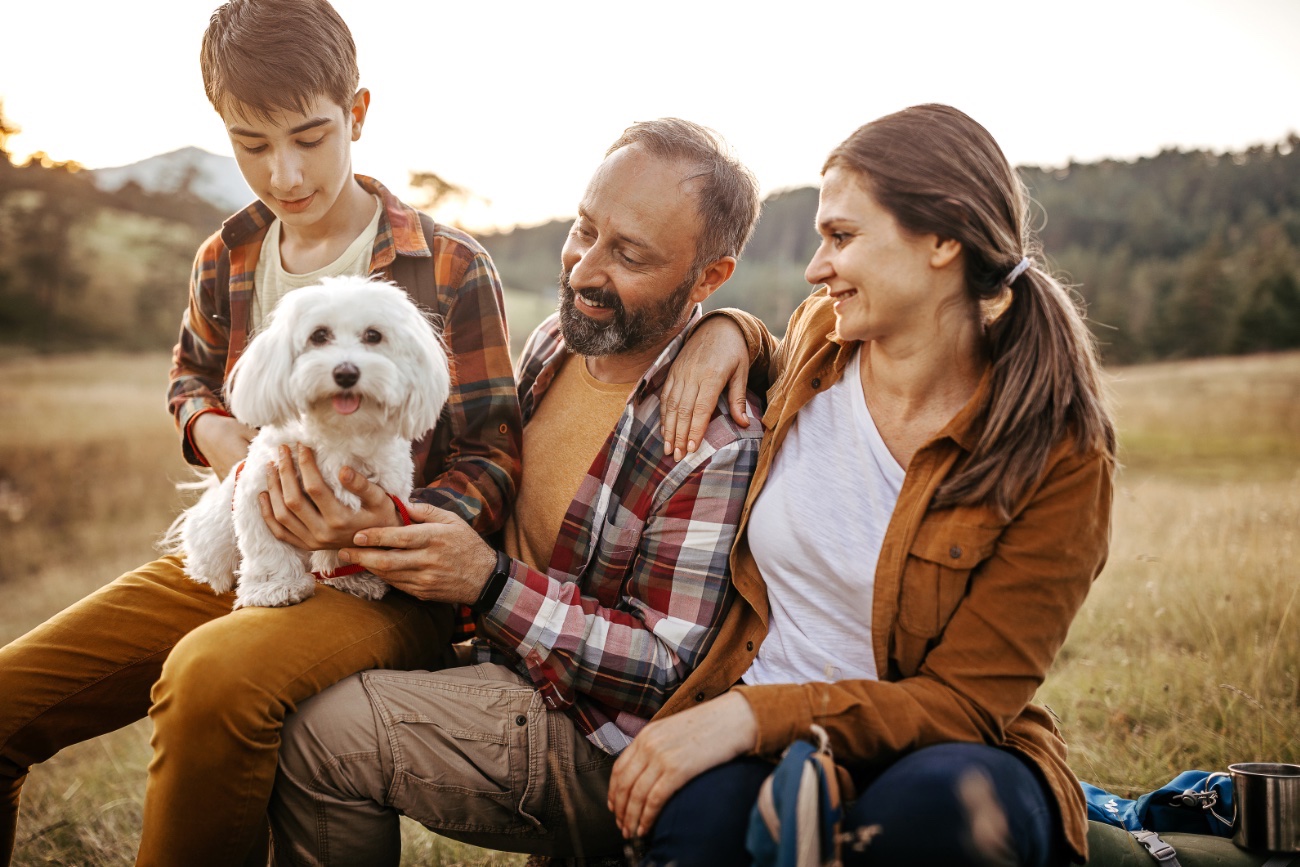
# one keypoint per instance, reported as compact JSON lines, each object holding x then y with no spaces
{"x":415,"y":274}
{"x":1159,"y":849}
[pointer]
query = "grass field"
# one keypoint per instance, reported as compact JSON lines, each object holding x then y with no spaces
{"x":1187,"y":653}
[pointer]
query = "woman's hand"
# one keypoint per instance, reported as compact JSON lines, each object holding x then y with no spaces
{"x":715,"y":357}
{"x":308,"y":515}
{"x":670,"y":753}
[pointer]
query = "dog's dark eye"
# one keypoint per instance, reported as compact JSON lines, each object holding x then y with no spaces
{"x":372,"y":336}
{"x":320,"y":336}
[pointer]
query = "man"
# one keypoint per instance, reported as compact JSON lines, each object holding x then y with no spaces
{"x":613,"y":579}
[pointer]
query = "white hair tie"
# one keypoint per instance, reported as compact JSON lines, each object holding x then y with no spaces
{"x":1017,"y":271}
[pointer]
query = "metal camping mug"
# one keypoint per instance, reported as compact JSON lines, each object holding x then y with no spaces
{"x":1267,"y":800}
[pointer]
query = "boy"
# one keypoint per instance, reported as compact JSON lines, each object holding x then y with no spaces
{"x":283,"y":76}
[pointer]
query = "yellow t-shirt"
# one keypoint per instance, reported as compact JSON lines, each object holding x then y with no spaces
{"x":561,"y":440}
{"x":271,"y":282}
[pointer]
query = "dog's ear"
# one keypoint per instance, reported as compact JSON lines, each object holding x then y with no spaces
{"x":258,"y":391}
{"x":425,"y":367}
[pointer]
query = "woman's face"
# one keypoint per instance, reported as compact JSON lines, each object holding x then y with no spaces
{"x":888,"y":284}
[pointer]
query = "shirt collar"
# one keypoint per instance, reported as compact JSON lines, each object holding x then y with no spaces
{"x":649,"y":382}
{"x":399,"y":233}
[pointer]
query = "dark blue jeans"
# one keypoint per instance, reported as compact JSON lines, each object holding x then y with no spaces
{"x":928,"y":809}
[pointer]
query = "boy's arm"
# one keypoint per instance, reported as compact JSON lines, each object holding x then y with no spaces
{"x":199,"y":357}
{"x":479,"y":474}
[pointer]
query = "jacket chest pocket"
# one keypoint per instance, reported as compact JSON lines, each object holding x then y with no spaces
{"x":937,"y":573}
{"x":617,"y":546}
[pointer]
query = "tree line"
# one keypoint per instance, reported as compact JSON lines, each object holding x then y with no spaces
{"x":1180,"y":255}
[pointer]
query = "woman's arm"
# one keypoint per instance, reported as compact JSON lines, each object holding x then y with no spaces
{"x":727,"y":350}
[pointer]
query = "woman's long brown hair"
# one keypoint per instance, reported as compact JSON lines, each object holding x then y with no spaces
{"x":938,"y":171}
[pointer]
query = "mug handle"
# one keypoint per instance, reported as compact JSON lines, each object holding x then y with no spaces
{"x":1209,"y":781}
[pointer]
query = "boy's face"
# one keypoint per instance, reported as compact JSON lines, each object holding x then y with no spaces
{"x":298,"y":163}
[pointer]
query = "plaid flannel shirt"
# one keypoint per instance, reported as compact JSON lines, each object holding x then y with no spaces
{"x":469,"y":465}
{"x":472,"y":469}
{"x":638,"y":582}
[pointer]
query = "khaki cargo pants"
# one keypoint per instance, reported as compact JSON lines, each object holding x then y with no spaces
{"x":217,"y":684}
{"x":471,"y":753}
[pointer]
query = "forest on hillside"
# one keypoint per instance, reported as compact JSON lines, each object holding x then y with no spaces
{"x":1184,"y":254}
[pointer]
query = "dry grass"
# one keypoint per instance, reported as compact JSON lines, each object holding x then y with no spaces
{"x":1186,"y":654}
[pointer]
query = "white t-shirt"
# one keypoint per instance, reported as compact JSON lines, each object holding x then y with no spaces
{"x":271,"y":282}
{"x":815,"y":532}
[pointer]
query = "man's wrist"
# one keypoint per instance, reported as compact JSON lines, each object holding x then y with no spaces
{"x":496,"y":583}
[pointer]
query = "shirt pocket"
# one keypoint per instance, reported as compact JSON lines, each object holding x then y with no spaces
{"x":937,"y":573}
{"x":618,"y":543}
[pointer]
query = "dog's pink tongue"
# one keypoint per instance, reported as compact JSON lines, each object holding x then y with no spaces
{"x":346,"y":404}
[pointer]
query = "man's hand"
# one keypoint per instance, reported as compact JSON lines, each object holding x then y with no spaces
{"x":439,"y":558}
{"x":222,"y":440}
{"x":308,"y":515}
{"x":715,"y":357}
{"x":668,"y":754}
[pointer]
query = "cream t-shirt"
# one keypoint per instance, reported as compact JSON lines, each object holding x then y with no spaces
{"x":271,"y":282}
{"x":562,"y":438}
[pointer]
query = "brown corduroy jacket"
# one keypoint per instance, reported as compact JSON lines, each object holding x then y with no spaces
{"x":969,"y":607}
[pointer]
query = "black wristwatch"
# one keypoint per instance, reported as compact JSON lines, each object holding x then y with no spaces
{"x":495,"y":584}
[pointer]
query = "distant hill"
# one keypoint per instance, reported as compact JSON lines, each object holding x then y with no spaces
{"x":213,"y":178}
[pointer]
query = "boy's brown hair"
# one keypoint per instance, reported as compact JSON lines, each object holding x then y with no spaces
{"x":273,"y":55}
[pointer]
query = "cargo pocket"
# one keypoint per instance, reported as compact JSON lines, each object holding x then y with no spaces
{"x":935,"y":580}
{"x":465,"y":757}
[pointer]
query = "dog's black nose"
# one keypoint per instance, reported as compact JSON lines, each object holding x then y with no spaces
{"x":346,"y":374}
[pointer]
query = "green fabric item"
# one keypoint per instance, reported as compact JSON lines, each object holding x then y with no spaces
{"x":1109,"y":846}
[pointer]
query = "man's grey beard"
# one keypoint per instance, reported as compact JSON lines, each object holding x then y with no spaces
{"x":625,"y":332}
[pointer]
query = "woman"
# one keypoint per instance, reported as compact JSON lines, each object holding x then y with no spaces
{"x":929,"y":510}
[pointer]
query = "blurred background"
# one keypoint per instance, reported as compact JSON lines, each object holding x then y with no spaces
{"x":1159,"y":141}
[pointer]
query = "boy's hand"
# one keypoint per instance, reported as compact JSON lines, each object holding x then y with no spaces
{"x":222,"y":440}
{"x":308,"y":515}
{"x":438,"y":558}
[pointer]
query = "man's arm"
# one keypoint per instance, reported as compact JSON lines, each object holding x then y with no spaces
{"x":632,"y":654}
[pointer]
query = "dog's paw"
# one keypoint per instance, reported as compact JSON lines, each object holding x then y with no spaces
{"x":366,"y":586}
{"x":219,"y":583}
{"x":274,"y":592}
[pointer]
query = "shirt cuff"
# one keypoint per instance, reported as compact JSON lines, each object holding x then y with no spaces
{"x":191,"y":447}
{"x":782,"y":713}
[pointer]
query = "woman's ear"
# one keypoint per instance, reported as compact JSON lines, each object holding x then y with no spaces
{"x":258,"y":391}
{"x":944,"y":252}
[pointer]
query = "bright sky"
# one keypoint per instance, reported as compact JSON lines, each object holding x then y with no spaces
{"x":518,"y":99}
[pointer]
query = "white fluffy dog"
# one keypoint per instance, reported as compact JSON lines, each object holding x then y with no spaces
{"x":350,"y":368}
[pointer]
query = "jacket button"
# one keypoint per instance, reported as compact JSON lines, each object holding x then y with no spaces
{"x":749,"y":645}
{"x":521,"y":720}
{"x":699,"y":696}
{"x":817,"y":382}
{"x":954,"y":552}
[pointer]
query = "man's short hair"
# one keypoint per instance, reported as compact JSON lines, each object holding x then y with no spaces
{"x":727,"y":199}
{"x":276,"y":55}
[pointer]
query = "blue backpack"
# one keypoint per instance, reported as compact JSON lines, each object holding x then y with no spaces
{"x":1194,"y":802}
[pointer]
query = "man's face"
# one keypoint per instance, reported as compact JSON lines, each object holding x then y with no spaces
{"x":629,"y":258}
{"x":297,"y":163}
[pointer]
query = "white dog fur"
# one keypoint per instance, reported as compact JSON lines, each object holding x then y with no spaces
{"x":294,"y":382}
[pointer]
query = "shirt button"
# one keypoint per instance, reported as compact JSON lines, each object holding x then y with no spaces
{"x":954,"y":552}
{"x":749,"y":645}
{"x":521,"y":720}
{"x":817,"y":382}
{"x":699,"y":696}
{"x":504,"y":429}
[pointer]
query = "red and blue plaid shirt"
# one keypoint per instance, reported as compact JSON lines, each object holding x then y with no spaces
{"x":470,"y":465}
{"x":638,"y":582}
